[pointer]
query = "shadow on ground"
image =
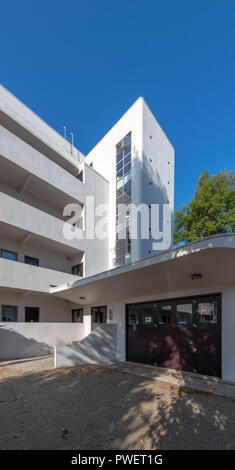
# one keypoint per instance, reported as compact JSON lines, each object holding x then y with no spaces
{"x":92,"y":407}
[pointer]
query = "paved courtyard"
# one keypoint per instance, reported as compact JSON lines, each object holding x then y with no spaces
{"x":94,"y":407}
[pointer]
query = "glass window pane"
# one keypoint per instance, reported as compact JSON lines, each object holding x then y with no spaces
{"x":127,"y":139}
{"x":207,"y":312}
{"x":99,"y":314}
{"x":133,"y":319}
{"x":127,"y":150}
{"x":78,"y":270}
{"x":9,"y":313}
{"x":77,"y":315}
{"x":119,"y":166}
{"x":119,"y":157}
{"x":9,"y":255}
{"x":32,"y":261}
{"x":184,"y":313}
{"x":127,"y":168}
{"x":127,"y":159}
{"x":164,"y":314}
{"x":147,"y":313}
{"x":119,"y":193}
{"x":120,"y":183}
{"x":127,"y":189}
{"x":119,"y":174}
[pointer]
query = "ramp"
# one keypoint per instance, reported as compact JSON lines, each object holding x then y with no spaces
{"x":98,"y":347}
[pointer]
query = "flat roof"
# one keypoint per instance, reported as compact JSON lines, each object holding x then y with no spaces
{"x":212,"y":256}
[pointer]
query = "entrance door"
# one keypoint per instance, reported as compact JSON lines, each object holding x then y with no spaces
{"x":182,"y":334}
{"x":31,"y":314}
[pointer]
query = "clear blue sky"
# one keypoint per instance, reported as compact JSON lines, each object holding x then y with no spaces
{"x":83,"y":63}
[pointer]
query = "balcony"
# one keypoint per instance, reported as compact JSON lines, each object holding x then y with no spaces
{"x":30,"y":170}
{"x":23,"y":122}
{"x":33,"y":221}
{"x":18,"y":275}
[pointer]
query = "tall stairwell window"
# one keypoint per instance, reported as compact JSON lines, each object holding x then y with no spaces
{"x":123,"y":196}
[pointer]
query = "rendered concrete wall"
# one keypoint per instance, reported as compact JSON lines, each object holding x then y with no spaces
{"x":51,"y":309}
{"x":141,"y":122}
{"x":18,"y":117}
{"x":26,"y":217}
{"x":49,"y":258}
{"x":96,"y":250}
{"x":228,"y":333}
{"x":15,"y":150}
{"x":33,"y":278}
{"x":103,"y":157}
{"x":22,"y":340}
{"x":98,"y":347}
{"x":157,"y":176}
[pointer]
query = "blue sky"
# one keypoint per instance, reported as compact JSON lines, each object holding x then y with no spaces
{"x":83,"y":63}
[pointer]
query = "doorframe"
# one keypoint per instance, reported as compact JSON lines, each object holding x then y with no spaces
{"x":175,"y":299}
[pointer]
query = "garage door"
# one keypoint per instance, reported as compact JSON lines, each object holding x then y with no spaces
{"x":181,"y":334}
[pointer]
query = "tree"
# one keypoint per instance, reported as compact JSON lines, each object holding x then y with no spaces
{"x":210,"y":211}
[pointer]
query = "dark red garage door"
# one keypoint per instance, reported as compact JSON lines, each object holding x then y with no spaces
{"x":182,"y":334}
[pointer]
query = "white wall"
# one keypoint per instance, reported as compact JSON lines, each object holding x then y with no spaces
{"x":17,"y":115}
{"x":49,"y":256}
{"x":103,"y":157}
{"x":228,"y":334}
{"x":98,"y":347}
{"x":96,"y":250}
{"x":52,"y":309}
{"x":17,"y":275}
{"x":21,"y":340}
{"x":157,"y":168}
{"x":141,"y":122}
{"x":16,"y":151}
{"x":26,"y":217}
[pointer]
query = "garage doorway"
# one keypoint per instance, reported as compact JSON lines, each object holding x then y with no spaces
{"x":182,"y":334}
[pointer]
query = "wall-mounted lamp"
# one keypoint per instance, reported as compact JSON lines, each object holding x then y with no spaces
{"x":82,"y":298}
{"x":196,"y":276}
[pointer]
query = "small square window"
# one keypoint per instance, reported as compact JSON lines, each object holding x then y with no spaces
{"x":147,"y":319}
{"x":207,"y":312}
{"x":184,"y":313}
{"x":133,"y":319}
{"x":164,"y":314}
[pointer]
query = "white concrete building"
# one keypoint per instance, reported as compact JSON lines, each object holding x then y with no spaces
{"x":173,"y":307}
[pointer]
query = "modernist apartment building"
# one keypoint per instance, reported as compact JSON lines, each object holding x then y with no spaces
{"x":113,"y":298}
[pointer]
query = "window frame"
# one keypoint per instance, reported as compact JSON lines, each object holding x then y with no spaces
{"x":184,"y":302}
{"x":31,"y":257}
{"x":75,"y":310}
{"x":9,"y":251}
{"x":32,"y":307}
{"x":6,"y":305}
{"x":76,"y":266}
{"x":105,"y":313}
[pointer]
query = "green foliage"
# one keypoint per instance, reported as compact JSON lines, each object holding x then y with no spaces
{"x":210,"y":211}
